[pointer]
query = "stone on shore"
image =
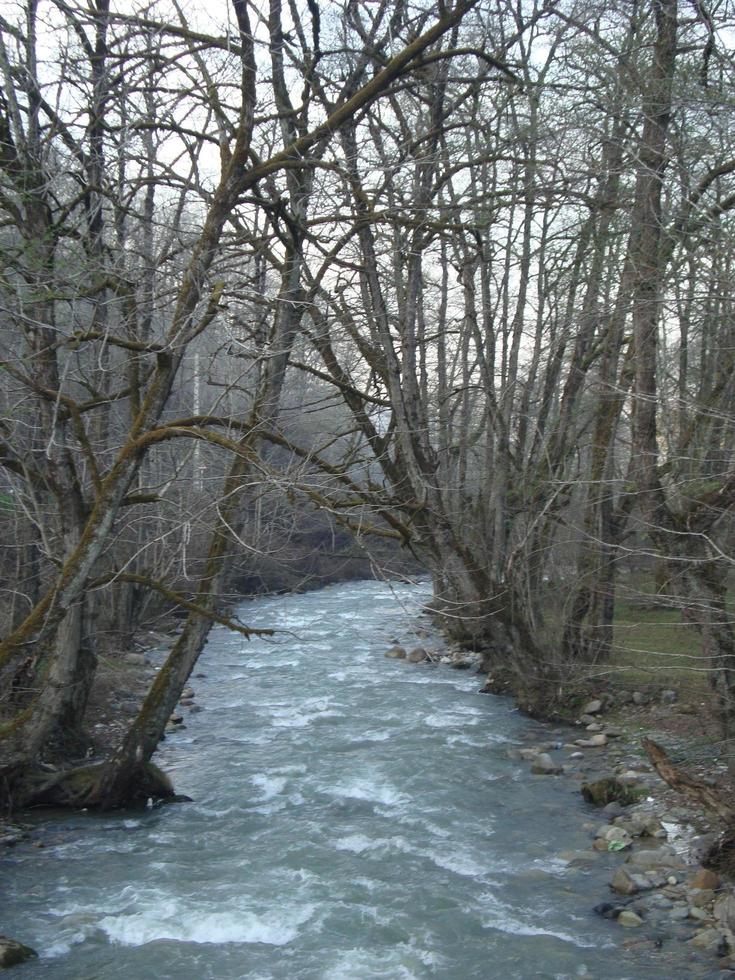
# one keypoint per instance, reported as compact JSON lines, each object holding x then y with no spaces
{"x":12,"y":952}
{"x":706,"y":939}
{"x":700,"y":898}
{"x":592,"y":707}
{"x":705,"y":879}
{"x":657,"y":857}
{"x":595,"y":742}
{"x":724,"y":911}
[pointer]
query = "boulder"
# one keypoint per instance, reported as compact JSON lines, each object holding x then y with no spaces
{"x":612,"y":810}
{"x":396,"y":653}
{"x":594,"y":726}
{"x":704,"y":879}
{"x":544,"y":765}
{"x":528,"y":754}
{"x":417,"y":656}
{"x":629,"y":919}
{"x":12,"y":952}
{"x":616,"y":836}
{"x":624,"y":883}
{"x":592,"y":707}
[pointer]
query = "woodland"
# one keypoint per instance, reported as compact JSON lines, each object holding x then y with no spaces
{"x":448,"y":284}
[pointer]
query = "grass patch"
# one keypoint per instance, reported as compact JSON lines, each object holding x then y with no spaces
{"x":655,"y":645}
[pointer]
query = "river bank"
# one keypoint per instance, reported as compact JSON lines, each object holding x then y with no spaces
{"x":648,"y":844}
{"x":513,"y":851}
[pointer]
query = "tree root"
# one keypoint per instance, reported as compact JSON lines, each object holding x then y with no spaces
{"x":94,"y":787}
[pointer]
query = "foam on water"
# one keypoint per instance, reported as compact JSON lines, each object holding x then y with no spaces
{"x":269,"y":786}
{"x":372,"y":789}
{"x":169,"y":920}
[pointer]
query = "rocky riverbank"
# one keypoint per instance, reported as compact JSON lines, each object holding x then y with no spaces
{"x":646,"y":843}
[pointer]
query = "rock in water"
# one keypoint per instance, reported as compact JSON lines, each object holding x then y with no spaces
{"x":417,"y":656}
{"x":544,"y":765}
{"x":12,"y":952}
{"x":396,"y":653}
{"x":629,"y":918}
{"x":623,"y":883}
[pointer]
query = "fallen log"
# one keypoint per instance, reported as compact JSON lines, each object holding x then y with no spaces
{"x":707,"y":797}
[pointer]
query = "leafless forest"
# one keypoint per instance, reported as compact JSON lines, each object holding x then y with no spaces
{"x":454,"y":279}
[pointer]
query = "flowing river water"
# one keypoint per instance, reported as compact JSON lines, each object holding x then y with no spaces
{"x":354,"y":817}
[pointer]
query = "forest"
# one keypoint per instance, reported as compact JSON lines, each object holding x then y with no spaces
{"x":444,"y":285}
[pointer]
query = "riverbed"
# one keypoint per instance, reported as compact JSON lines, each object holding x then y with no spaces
{"x":354,"y":817}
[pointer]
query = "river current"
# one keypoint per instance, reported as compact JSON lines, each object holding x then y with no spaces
{"x":354,"y":817}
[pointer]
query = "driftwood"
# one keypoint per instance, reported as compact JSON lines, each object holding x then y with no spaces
{"x":705,"y":796}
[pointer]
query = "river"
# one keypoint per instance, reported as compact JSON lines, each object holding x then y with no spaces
{"x":354,"y":817}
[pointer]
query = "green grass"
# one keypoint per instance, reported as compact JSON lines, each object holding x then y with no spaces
{"x":657,"y":646}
